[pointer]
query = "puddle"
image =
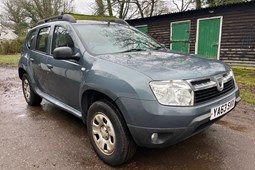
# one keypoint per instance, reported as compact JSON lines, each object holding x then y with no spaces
{"x":21,"y":116}
{"x":232,"y":126}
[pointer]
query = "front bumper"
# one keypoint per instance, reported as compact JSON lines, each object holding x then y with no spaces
{"x":168,"y":124}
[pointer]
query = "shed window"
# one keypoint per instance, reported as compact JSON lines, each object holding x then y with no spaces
{"x":142,"y":28}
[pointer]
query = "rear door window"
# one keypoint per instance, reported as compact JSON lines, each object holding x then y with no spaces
{"x":42,"y":40}
{"x":30,"y":39}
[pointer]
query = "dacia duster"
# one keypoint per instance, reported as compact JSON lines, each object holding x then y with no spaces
{"x":128,"y":89}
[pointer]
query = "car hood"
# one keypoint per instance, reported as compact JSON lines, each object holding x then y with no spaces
{"x":168,"y":65}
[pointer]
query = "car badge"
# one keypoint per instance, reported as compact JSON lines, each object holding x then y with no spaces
{"x":219,"y":83}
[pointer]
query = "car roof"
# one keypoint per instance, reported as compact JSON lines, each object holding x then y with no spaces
{"x":70,"y":19}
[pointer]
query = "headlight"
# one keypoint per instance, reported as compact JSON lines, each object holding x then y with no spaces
{"x":231,"y":73}
{"x":173,"y":92}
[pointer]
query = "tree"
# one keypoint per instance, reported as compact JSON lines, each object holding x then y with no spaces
{"x":182,"y":5}
{"x":149,"y":8}
{"x":212,"y":3}
{"x":122,"y":8}
{"x":17,"y":16}
{"x":100,"y":9}
{"x":109,"y":7}
{"x":26,"y":13}
{"x":130,"y":8}
{"x":198,"y":4}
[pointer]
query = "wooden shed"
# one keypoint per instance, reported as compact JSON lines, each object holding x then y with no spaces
{"x":224,"y":32}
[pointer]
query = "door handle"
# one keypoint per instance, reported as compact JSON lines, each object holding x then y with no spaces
{"x":32,"y":60}
{"x":49,"y":66}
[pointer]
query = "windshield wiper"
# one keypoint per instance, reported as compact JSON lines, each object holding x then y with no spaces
{"x":132,"y":50}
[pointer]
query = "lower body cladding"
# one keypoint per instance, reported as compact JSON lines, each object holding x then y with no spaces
{"x":153,"y":125}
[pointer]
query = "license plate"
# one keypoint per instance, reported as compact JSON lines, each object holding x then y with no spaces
{"x":222,"y":109}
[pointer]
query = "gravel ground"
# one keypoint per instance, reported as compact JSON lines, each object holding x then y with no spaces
{"x":46,"y":137}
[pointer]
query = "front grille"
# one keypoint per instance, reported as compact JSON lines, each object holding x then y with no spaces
{"x":212,"y":93}
{"x":199,"y":82}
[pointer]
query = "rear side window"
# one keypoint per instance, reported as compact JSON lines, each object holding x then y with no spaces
{"x":30,"y":39}
{"x":61,"y":38}
{"x":42,"y":40}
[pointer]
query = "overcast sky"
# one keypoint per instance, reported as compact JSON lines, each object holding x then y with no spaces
{"x":83,"y":6}
{"x":1,"y":7}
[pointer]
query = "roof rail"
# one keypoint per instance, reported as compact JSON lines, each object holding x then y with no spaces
{"x":65,"y":17}
{"x":119,"y":21}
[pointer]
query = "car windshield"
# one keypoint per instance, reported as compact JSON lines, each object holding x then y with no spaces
{"x":113,"y":38}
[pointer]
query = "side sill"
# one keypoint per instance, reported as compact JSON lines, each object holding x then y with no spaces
{"x":60,"y":104}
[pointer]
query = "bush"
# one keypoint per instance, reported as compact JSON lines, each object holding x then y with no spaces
{"x":11,"y":46}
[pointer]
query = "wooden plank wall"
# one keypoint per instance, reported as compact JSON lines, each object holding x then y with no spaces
{"x":238,"y":30}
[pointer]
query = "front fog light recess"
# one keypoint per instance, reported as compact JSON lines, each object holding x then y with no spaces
{"x":173,"y":92}
{"x":154,"y":137}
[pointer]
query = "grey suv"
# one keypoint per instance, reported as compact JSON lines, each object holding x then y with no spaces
{"x":128,"y":89}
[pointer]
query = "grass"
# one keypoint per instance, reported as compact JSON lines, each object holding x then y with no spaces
{"x":247,"y":96}
{"x":245,"y":77}
{"x":10,"y":60}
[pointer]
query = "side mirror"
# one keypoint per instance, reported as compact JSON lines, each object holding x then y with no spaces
{"x":64,"y":53}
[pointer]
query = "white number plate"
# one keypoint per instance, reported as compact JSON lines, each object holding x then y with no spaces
{"x":222,"y":109}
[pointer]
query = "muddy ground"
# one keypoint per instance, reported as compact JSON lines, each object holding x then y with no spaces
{"x":47,"y":137}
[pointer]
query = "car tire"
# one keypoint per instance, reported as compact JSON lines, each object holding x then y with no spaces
{"x":109,"y":134}
{"x":30,"y":96}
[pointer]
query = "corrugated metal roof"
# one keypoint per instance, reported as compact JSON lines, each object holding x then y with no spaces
{"x":202,"y":9}
{"x":206,"y":8}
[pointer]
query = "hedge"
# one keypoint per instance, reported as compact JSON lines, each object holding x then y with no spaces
{"x":11,"y":46}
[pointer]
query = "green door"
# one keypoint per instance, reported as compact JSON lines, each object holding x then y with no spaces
{"x":142,"y":28}
{"x":208,"y":37}
{"x":180,"y":36}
